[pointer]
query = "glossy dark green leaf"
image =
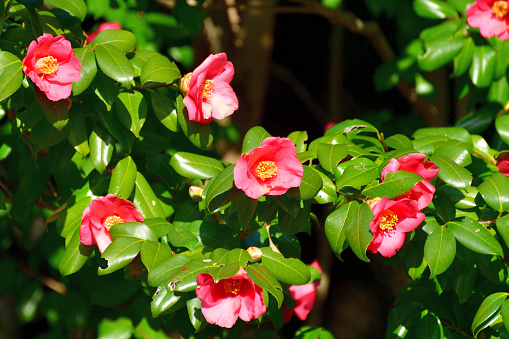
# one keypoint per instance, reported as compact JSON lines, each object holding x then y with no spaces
{"x":429,"y":326}
{"x":145,"y":199}
{"x":327,"y":193}
{"x":489,"y":307}
{"x":131,"y":110}
{"x":287,"y":270}
{"x":154,"y":253}
{"x":483,"y":66}
{"x":465,"y":282}
{"x":330,"y":155}
{"x":290,"y":225}
{"x":114,"y":63}
{"x":434,"y":9}
{"x":335,"y":226}
{"x":119,"y":328}
{"x":120,"y":253}
{"x":106,"y":90}
{"x":159,"y":69}
{"x":262,"y":277}
{"x":495,"y":191}
{"x":11,"y":75}
{"x":450,"y":132}
{"x":351,"y":126}
{"x":184,"y":279}
{"x":86,"y":57}
{"x":452,"y":173}
{"x":162,"y":300}
{"x":75,"y":255}
{"x":479,"y":120}
{"x":123,"y":177}
{"x":200,"y":135}
{"x":246,"y":211}
{"x":165,"y":110}
{"x":357,"y":231}
{"x":111,"y":123}
{"x":394,"y":185}
{"x":413,"y":259}
{"x":502,"y":126}
{"x":254,"y":138}
{"x":123,"y":40}
{"x":440,"y":250}
{"x":160,"y":226}
{"x":32,"y":3}
{"x":456,"y":153}
{"x":220,"y":184}
{"x":299,"y":139}
{"x":70,"y":220}
{"x":475,"y":237}
{"x":440,"y":52}
{"x":398,"y":141}
{"x":162,"y":271}
{"x":181,"y":237}
{"x":78,"y":137}
{"x":310,"y":186}
{"x":210,"y":234}
{"x":55,"y":112}
{"x":136,"y":230}
{"x":139,"y":58}
{"x":101,"y":148}
{"x":76,"y":8}
{"x":356,"y":172}
{"x":190,"y":165}
{"x":504,"y":311}
{"x":463,"y":60}
{"x":45,"y":135}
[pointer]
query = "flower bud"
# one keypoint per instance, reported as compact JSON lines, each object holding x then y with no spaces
{"x":184,"y":83}
{"x":373,"y":202}
{"x":195,"y":192}
{"x":255,"y":253}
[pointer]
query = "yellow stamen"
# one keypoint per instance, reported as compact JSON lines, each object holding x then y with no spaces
{"x":266,"y":170}
{"x":232,"y":285}
{"x":112,"y":220}
{"x":207,"y":90}
{"x":47,"y":65}
{"x":389,"y":220}
{"x":499,"y":9}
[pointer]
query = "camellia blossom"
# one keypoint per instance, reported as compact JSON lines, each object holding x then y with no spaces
{"x":207,"y":93}
{"x":491,"y":17}
{"x":51,"y":64}
{"x":103,"y":213}
{"x":272,"y":168}
{"x":503,"y":165}
{"x":304,"y":297}
{"x":222,"y":303}
{"x":102,"y":27}
{"x":391,"y":221}
{"x":423,"y":191}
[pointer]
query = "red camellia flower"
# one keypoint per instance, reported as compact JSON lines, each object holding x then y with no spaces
{"x":391,"y":221}
{"x":102,"y":27}
{"x":503,"y":165}
{"x":304,"y":297}
{"x":222,"y":303}
{"x":491,"y":17}
{"x":51,"y":64}
{"x":270,"y":169}
{"x":103,"y":213}
{"x":423,"y":191}
{"x":207,"y":91}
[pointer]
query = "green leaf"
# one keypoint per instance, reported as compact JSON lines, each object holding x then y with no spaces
{"x":70,"y":220}
{"x":86,"y":56}
{"x":165,"y":110}
{"x":163,"y":300}
{"x":121,"y":328}
{"x":335,"y":226}
{"x":262,"y":277}
{"x":291,"y":225}
{"x":310,"y":186}
{"x":352,"y":127}
{"x":456,"y":133}
{"x":195,"y":315}
{"x":190,"y":165}
{"x":162,"y":271}
{"x":181,"y":237}
{"x":247,"y":209}
{"x":106,"y":90}
{"x":45,"y":135}
{"x":154,"y":253}
{"x":502,"y":126}
{"x":398,"y":141}
{"x":440,"y":52}
{"x":32,"y":3}
{"x":55,"y":112}
{"x":159,"y":69}
{"x":138,"y":60}
{"x":299,"y":139}
{"x":504,"y":311}
{"x":456,"y":153}
{"x":465,"y":282}
{"x":327,"y":193}
{"x":136,"y":230}
{"x":114,"y":63}
{"x":434,"y":9}
{"x":254,"y":138}
{"x":145,"y":200}
{"x":287,"y":270}
{"x":101,"y":148}
{"x":489,"y":307}
{"x":78,"y":136}
{"x":357,"y":231}
{"x":120,"y":39}
{"x":495,"y":191}
{"x":123,"y":177}
{"x":11,"y":75}
{"x":330,"y":155}
{"x":183,"y":279}
{"x":452,"y":173}
{"x":120,"y":253}
{"x":220,"y":184}
{"x":475,"y":237}
{"x":160,"y":226}
{"x":131,"y":110}
{"x":200,"y":135}
{"x":356,"y":172}
{"x":440,"y":250}
{"x":111,"y":123}
{"x":429,"y":326}
{"x":76,"y":8}
{"x":394,"y":185}
{"x":75,"y":255}
{"x":463,"y":60}
{"x":503,"y":228}
{"x":483,"y":66}
{"x":413,"y":258}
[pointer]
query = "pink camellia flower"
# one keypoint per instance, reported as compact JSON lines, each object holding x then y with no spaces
{"x":102,"y":27}
{"x":51,"y":64}
{"x":103,"y":213}
{"x":222,"y":303}
{"x":207,"y":93}
{"x":428,"y":170}
{"x":491,"y":17}
{"x":391,"y":221}
{"x":272,"y":168}
{"x":304,"y":297}
{"x":503,"y":165}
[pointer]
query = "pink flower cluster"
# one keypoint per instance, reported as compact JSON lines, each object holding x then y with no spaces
{"x":392,"y":219}
{"x":491,"y":17}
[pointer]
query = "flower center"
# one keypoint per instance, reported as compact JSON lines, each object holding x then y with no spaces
{"x":112,"y":220}
{"x":232,"y":285}
{"x":499,"y":9}
{"x":46,"y":65}
{"x":266,"y":170}
{"x":388,"y":221}
{"x":207,"y":90}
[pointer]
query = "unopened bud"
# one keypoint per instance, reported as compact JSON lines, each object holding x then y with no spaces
{"x":195,"y":192}
{"x":255,"y":253}
{"x":184,"y":83}
{"x":373,"y":202}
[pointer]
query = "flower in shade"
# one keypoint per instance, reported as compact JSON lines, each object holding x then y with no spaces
{"x":304,"y":297}
{"x":503,"y":165}
{"x":423,"y":191}
{"x":392,"y":219}
{"x":491,"y":17}
{"x":101,"y":214}
{"x":207,"y":91}
{"x":222,"y":303}
{"x":272,"y":168}
{"x":102,"y":27}
{"x":51,"y":64}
